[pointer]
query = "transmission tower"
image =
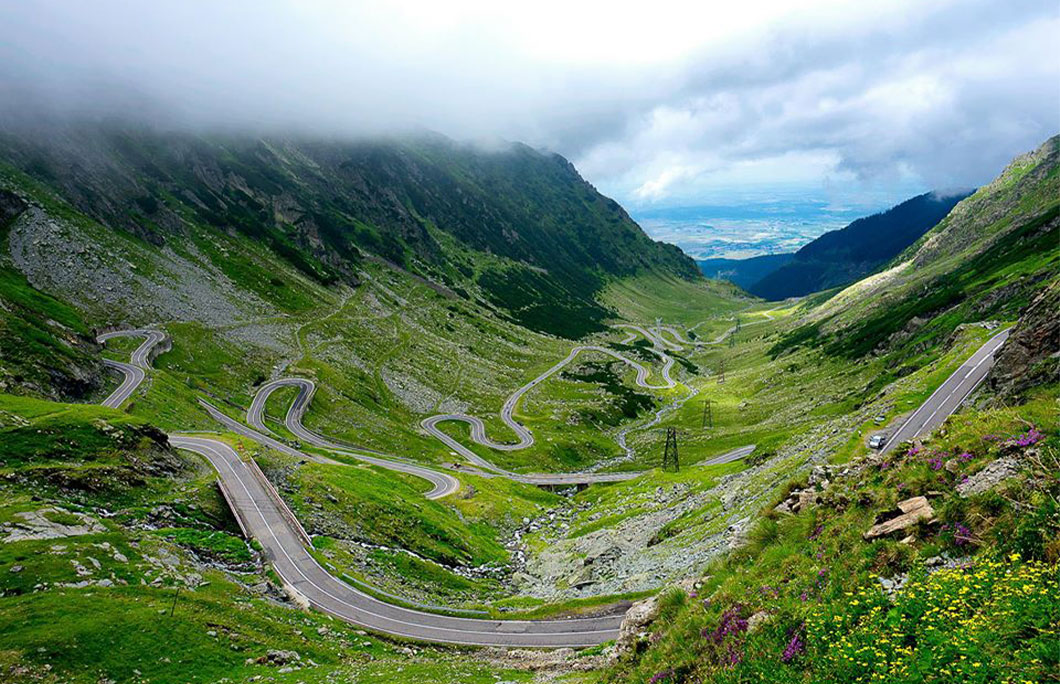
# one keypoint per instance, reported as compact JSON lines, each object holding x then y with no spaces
{"x":708,"y":413}
{"x":721,"y":371}
{"x":670,"y":461}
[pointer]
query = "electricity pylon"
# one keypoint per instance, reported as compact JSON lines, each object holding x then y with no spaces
{"x":708,"y":413}
{"x":670,"y":461}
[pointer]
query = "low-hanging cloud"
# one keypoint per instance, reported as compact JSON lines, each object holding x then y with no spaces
{"x":655,"y":104}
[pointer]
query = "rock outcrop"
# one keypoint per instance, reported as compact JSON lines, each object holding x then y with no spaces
{"x":1031,"y":355}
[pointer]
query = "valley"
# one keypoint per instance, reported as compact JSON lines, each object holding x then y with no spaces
{"x":449,"y":440}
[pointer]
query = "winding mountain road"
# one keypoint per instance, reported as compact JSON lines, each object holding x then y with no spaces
{"x":134,"y":372}
{"x":444,"y":484}
{"x":264,"y":516}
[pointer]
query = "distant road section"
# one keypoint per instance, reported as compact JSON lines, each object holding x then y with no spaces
{"x":950,"y":394}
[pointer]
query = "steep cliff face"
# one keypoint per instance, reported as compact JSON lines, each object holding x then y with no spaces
{"x":518,"y":227}
{"x":1031,"y":356}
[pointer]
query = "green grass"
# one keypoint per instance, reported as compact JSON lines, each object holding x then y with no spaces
{"x":211,"y":543}
{"x":814,"y":576}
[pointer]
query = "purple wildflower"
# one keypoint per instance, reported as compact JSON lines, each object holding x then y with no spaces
{"x":913,"y":451}
{"x":733,"y":655}
{"x":965,"y":456}
{"x":732,"y":622}
{"x":661,"y":676}
{"x":795,"y":646}
{"x":935,"y":462}
{"x":1032,"y":436}
{"x":816,"y":532}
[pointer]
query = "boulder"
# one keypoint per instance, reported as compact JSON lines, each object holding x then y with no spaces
{"x":637,"y":618}
{"x":912,"y":510}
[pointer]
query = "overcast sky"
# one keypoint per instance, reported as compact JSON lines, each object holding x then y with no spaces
{"x":658,"y":103}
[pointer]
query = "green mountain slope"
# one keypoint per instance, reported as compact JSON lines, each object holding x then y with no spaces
{"x":986,"y":259}
{"x":517,"y":227}
{"x":45,"y":346}
{"x":843,"y":256}
{"x":744,"y":272}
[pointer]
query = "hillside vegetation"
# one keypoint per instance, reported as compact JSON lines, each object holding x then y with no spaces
{"x":986,"y":259}
{"x":453,"y":277}
{"x":939,"y":561}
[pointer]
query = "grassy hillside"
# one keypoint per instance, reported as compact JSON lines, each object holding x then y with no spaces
{"x":114,"y":544}
{"x":936,"y":562}
{"x":45,"y":346}
{"x":971,"y":597}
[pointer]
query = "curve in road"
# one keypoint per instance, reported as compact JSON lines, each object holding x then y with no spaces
{"x":526,"y":438}
{"x":134,"y":372}
{"x":263,"y":515}
{"x":444,"y":483}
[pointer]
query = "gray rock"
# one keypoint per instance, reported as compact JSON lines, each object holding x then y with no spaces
{"x":989,"y":477}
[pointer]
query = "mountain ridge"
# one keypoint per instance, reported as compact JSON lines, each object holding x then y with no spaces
{"x":843,"y":256}
{"x":522,"y":227}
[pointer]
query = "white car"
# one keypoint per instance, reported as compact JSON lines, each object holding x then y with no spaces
{"x":877,"y":441}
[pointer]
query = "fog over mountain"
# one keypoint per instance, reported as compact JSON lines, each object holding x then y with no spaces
{"x":655,"y":105}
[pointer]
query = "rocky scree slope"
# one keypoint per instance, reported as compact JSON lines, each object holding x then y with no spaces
{"x":516,"y":227}
{"x":45,"y":347}
{"x":1031,"y":356}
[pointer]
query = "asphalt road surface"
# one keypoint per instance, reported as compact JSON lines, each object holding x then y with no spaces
{"x":526,"y":438}
{"x":263,"y":516}
{"x":950,"y":394}
{"x":444,"y":483}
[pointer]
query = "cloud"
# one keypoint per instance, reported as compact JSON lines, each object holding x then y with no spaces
{"x":655,"y":102}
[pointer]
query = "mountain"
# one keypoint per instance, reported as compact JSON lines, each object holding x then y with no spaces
{"x":840,"y":257}
{"x":987,"y":258}
{"x":744,"y":272}
{"x":513,"y":226}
